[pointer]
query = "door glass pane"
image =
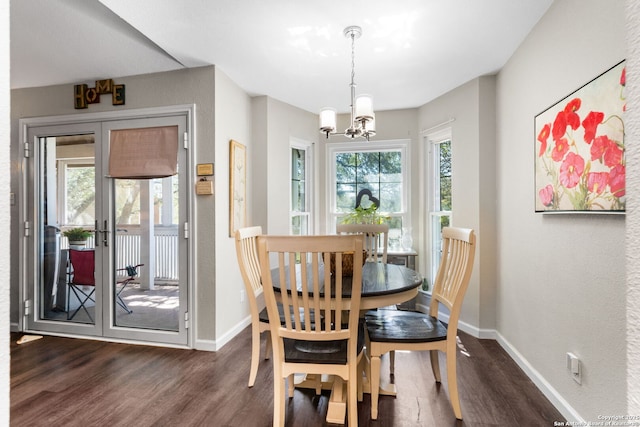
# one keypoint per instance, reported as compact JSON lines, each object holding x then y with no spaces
{"x":146,"y":292}
{"x":66,"y":216}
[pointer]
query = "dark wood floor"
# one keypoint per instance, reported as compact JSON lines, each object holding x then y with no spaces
{"x":74,"y":382}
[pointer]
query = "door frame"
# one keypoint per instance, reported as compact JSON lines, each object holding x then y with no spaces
{"x":25,"y":148}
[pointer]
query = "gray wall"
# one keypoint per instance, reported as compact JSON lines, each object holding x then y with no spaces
{"x":561,"y":278}
{"x":472,"y":107}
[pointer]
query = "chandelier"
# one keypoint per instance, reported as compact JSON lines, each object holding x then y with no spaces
{"x":362,"y":116}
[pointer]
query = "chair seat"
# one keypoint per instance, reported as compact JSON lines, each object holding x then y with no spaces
{"x":320,"y":352}
{"x":404,"y":326}
{"x":264,"y":317}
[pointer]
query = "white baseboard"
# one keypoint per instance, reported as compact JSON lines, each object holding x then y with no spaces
{"x":543,"y":385}
{"x":215,"y":345}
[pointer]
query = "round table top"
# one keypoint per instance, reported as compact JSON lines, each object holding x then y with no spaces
{"x":382,"y":284}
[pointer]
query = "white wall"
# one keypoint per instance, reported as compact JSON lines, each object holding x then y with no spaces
{"x":278,"y":122}
{"x":232,"y":121}
{"x":4,"y":211}
{"x":472,"y":107}
{"x":561,"y":278}
{"x":633,"y":212}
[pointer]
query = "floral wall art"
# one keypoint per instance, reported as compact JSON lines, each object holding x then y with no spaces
{"x":580,"y":162}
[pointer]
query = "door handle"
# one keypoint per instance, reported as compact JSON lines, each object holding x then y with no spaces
{"x":105,"y":234}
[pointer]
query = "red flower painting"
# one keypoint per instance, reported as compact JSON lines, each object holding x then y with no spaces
{"x":580,"y":162}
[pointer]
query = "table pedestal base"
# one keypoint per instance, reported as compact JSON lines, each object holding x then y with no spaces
{"x":337,"y":407}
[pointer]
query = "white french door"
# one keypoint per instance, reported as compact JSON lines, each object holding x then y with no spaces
{"x":137,"y":249}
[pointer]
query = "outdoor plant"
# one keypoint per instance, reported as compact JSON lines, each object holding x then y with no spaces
{"x":77,"y":234}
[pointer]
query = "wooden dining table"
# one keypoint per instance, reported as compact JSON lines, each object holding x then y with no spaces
{"x":382,"y":285}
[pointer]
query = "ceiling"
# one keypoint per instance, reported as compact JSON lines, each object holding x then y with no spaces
{"x":410,"y":52}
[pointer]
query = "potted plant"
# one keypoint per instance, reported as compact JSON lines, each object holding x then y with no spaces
{"x":77,"y":236}
{"x":360,"y":215}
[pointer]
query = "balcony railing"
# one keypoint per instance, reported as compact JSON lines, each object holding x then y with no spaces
{"x":128,"y":250}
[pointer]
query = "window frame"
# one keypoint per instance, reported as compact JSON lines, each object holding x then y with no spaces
{"x":434,"y":213}
{"x":307,"y":147}
{"x":333,"y":149}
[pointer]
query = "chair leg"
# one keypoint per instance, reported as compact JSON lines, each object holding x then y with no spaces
{"x":435,"y":364}
{"x":267,"y":349}
{"x":392,"y":362}
{"x":119,"y":299}
{"x":374,"y":381}
{"x":352,"y":398}
{"x":362,"y":370}
{"x":87,"y":297}
{"x":453,"y":382}
{"x":278,"y":401}
{"x":255,"y":352}
{"x":292,"y":386}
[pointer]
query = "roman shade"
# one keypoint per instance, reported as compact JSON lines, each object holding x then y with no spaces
{"x":143,"y":153}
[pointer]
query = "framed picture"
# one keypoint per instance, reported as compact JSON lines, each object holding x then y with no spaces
{"x":579,"y":149}
{"x":237,"y":186}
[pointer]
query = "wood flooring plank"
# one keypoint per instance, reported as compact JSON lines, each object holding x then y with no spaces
{"x":74,"y":382}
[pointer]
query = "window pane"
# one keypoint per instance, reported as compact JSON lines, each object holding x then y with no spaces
{"x":391,"y":164}
{"x":297,"y":196}
{"x":127,"y":201}
{"x":445,"y":176}
{"x":80,"y":195}
{"x":345,"y":197}
{"x":297,"y":164}
{"x":299,"y":225}
{"x":391,"y":197}
{"x":346,"y":168}
{"x":368,"y":167}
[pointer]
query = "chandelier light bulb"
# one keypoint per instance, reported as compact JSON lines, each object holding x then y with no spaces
{"x":328,"y":120}
{"x":364,"y":107}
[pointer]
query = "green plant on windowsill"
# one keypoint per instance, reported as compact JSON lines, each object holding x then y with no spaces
{"x":77,"y":234}
{"x":369,"y":215}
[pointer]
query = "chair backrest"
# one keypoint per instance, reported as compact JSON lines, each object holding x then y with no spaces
{"x":312,"y":281}
{"x":376,"y":239}
{"x":247,"y":254}
{"x":454,"y":272}
{"x":83,"y":263}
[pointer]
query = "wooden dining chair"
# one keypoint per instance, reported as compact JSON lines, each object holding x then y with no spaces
{"x":389,"y":330}
{"x":329,"y":344}
{"x":376,"y":239}
{"x":247,"y":254}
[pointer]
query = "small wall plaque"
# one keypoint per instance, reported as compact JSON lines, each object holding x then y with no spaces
{"x":205,"y":169}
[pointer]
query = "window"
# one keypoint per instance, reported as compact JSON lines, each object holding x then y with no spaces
{"x":440,"y":208}
{"x":378,"y":167}
{"x":300,"y":209}
{"x":77,"y":192}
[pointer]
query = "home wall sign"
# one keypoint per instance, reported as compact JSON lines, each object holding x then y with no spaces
{"x":84,"y":95}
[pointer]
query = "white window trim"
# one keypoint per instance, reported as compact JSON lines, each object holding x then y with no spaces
{"x":404,"y":145}
{"x":432,"y":197}
{"x":307,"y":146}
